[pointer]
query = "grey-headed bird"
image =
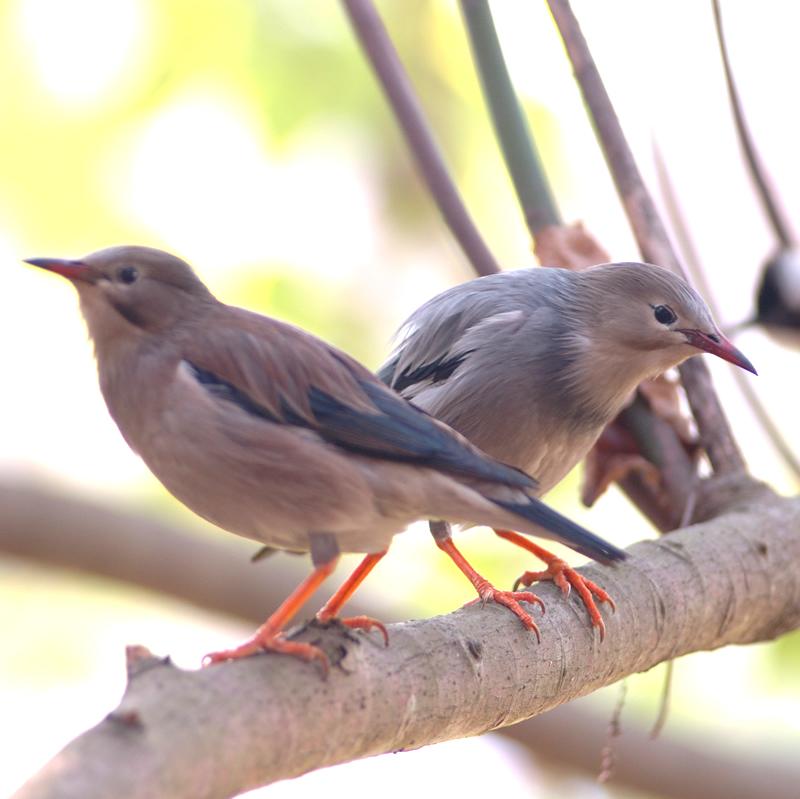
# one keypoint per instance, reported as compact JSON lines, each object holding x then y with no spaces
{"x":530,"y":365}
{"x":272,"y":434}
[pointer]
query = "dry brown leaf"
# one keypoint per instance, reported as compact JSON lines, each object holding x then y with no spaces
{"x":568,"y":246}
{"x":613,"y":457}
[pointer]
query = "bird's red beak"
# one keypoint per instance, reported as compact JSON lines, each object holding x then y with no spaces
{"x":72,"y":270}
{"x":718,"y":345}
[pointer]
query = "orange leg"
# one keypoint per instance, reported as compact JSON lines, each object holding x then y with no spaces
{"x":487,"y":591}
{"x":270,"y":636}
{"x":332,"y":607}
{"x":563,"y":575}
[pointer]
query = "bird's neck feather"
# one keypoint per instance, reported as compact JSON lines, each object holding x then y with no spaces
{"x":603,"y":374}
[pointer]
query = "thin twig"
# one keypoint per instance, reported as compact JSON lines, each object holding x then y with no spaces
{"x":395,"y":82}
{"x":518,"y":146}
{"x":715,"y":432}
{"x":664,"y":700}
{"x":608,"y":756}
{"x":692,"y":259}
{"x":778,"y":222}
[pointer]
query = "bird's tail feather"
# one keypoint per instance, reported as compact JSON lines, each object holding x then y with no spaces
{"x":562,"y":529}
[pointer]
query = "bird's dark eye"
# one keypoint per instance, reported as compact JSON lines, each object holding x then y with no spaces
{"x":664,"y":314}
{"x":127,"y":274}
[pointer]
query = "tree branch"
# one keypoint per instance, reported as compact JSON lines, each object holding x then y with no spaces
{"x":386,"y":63}
{"x":692,"y":260}
{"x":654,"y":244}
{"x":778,"y":222}
{"x":62,"y":532}
{"x":689,"y":766}
{"x":511,"y":128}
{"x":219,"y":731}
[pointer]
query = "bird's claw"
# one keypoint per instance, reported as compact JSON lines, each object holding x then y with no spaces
{"x":565,"y":577}
{"x":511,"y":600}
{"x":271,"y":643}
{"x":365,"y":623}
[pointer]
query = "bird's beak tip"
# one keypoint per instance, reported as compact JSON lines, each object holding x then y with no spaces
{"x":721,"y":347}
{"x":735,"y":356}
{"x":72,"y":270}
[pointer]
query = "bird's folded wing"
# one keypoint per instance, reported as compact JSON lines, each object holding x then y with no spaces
{"x":283,"y":375}
{"x":441,"y":335}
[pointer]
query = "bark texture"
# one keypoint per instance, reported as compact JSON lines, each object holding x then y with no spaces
{"x":219,"y":731}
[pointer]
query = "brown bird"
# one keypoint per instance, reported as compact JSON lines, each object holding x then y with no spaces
{"x":272,"y":434}
{"x":532,"y":364}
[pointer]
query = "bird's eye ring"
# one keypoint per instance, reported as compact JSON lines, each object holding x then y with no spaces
{"x":664,"y":314}
{"x":127,"y":274}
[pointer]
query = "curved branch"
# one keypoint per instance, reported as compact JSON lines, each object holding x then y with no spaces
{"x":778,"y":222}
{"x":394,"y":80}
{"x":692,"y":260}
{"x":735,"y":579}
{"x":651,"y":236}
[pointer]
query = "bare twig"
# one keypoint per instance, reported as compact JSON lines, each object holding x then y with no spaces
{"x":262,"y":719}
{"x":713,"y":427}
{"x":608,"y":756}
{"x":394,"y":80}
{"x":692,"y":260}
{"x":662,"y":447}
{"x":518,"y":147}
{"x":778,"y":222}
{"x":664,"y":700}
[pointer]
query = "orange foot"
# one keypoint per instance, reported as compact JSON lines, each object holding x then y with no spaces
{"x":355,"y":623}
{"x":271,"y":642}
{"x":511,"y":600}
{"x":487,"y":591}
{"x":564,"y":576}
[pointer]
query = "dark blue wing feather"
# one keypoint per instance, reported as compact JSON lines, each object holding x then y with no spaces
{"x":396,"y":430}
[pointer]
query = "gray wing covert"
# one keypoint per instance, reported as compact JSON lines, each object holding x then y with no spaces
{"x":442,"y":334}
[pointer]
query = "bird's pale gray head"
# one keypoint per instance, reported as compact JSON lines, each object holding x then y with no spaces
{"x":646,"y":313}
{"x":129,"y":288}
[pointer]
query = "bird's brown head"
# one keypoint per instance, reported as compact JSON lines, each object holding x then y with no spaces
{"x":127,"y":289}
{"x":652,"y":316}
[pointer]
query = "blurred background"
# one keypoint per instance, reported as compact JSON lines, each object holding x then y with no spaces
{"x":249,"y":137}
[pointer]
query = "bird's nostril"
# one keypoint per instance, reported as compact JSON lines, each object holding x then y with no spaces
{"x":714,"y":337}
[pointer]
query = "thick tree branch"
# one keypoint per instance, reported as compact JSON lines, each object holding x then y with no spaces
{"x":211,"y":571}
{"x":219,"y":731}
{"x":689,"y":766}
{"x":651,"y":236}
{"x":57,"y":531}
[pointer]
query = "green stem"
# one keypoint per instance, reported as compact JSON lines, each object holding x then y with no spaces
{"x":511,"y":128}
